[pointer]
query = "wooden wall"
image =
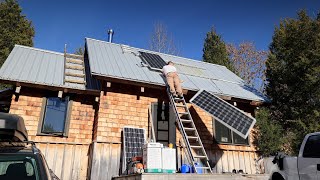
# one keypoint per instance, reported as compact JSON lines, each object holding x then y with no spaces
{"x":105,"y":160}
{"x":72,"y":161}
{"x":67,"y":160}
{"x":225,"y":160}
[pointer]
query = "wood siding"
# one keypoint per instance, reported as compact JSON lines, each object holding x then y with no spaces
{"x":66,"y":160}
{"x":225,"y":160}
{"x":105,"y":160}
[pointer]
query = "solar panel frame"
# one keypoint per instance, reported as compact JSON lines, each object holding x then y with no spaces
{"x":127,"y":144}
{"x":154,"y":61}
{"x":243,"y":133}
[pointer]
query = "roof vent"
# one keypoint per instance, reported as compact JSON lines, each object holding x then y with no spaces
{"x":110,"y":33}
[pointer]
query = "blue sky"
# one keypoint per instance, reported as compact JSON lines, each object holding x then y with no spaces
{"x":58,"y":22}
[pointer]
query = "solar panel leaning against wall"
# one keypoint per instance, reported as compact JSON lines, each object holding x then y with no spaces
{"x":224,"y":112}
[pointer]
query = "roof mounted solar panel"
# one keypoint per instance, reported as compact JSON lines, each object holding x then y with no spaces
{"x":224,"y":112}
{"x":153,"y":60}
{"x":133,"y":140}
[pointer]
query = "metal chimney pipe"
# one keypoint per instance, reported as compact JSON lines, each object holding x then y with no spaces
{"x":110,"y":33}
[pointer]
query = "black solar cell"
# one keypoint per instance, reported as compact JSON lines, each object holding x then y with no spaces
{"x":153,"y":60}
{"x":224,"y":112}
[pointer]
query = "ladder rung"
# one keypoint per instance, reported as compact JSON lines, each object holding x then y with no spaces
{"x":206,"y":167}
{"x":178,"y":99}
{"x":73,"y":61}
{"x":185,"y":113}
{"x":192,"y":137}
{"x":196,"y":147}
{"x":189,"y":129}
{"x":186,"y":120}
{"x":180,"y":105}
{"x":201,"y":157}
{"x":74,"y":56}
{"x":75,"y":81}
{"x":74,"y":67}
{"x":74,"y":74}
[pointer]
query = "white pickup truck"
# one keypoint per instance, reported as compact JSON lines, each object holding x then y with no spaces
{"x":304,"y":167}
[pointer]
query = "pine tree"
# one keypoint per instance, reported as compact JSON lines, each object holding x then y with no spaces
{"x":293,"y":74}
{"x":268,"y":134}
{"x":14,"y":28}
{"x":215,"y":51}
{"x":79,"y":51}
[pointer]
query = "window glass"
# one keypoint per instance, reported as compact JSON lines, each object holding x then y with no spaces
{"x":160,"y":115}
{"x":223,"y":134}
{"x":18,"y":167}
{"x":312,"y":147}
{"x":55,"y":115}
{"x":239,"y":140}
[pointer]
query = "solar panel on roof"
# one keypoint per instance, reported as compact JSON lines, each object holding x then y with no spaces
{"x":153,"y":60}
{"x":224,"y":112}
{"x":133,"y":140}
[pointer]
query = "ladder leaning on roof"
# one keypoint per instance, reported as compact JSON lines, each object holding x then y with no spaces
{"x":194,"y":148}
{"x":74,"y":70}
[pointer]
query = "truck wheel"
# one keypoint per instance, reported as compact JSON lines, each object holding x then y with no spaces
{"x":277,"y":176}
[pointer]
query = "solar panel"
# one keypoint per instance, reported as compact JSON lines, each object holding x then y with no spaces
{"x":224,"y":112}
{"x":153,"y":60}
{"x":133,"y":140}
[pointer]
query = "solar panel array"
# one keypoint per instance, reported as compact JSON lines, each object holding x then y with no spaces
{"x":224,"y":112}
{"x":133,"y":140}
{"x":153,"y":60}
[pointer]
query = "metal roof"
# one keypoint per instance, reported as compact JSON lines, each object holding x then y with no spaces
{"x":123,"y":62}
{"x":36,"y":66}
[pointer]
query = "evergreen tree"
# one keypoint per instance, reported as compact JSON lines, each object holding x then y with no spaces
{"x":14,"y":28}
{"x":79,"y":51}
{"x":215,"y":51}
{"x":268,"y":135}
{"x":293,"y":74}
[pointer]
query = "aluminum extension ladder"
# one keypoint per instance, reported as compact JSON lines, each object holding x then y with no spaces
{"x":192,"y":143}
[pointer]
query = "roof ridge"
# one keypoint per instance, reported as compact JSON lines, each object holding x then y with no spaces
{"x":37,"y":49}
{"x":146,"y":50}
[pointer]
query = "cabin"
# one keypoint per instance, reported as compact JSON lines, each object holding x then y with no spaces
{"x":75,"y":107}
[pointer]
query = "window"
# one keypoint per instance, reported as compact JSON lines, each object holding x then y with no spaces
{"x":224,"y":135}
{"x":312,"y":147}
{"x":55,"y":116}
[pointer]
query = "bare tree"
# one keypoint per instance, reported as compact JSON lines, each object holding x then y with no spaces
{"x":249,"y":63}
{"x":160,"y":41}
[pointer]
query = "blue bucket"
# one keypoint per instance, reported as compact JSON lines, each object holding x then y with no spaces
{"x":185,"y":168}
{"x":199,"y":169}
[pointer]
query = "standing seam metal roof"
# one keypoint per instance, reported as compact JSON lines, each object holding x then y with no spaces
{"x":37,"y":66}
{"x":112,"y":60}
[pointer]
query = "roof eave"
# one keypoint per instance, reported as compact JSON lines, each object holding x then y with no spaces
{"x":52,"y":87}
{"x":162,"y":86}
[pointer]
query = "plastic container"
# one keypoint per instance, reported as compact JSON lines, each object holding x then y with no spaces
{"x":200,"y":171}
{"x":185,"y":168}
